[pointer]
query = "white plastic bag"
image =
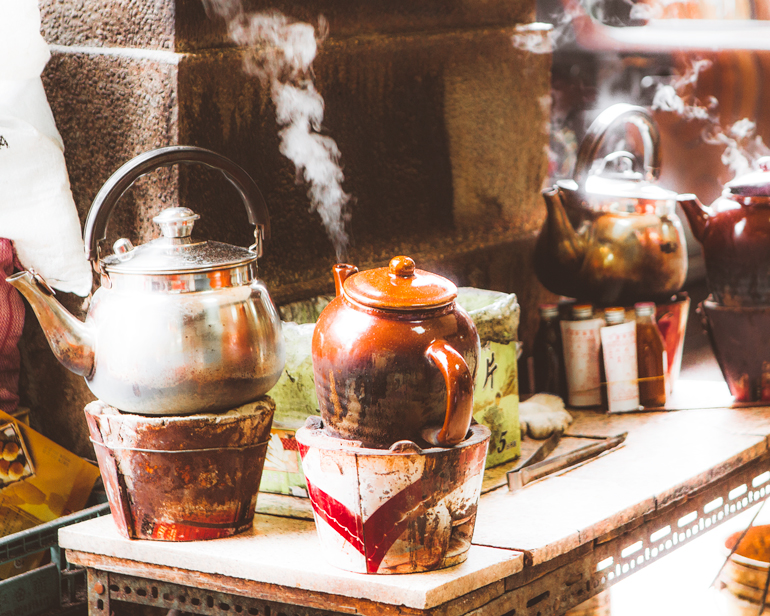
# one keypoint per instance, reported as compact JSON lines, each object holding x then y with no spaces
{"x":37,"y":211}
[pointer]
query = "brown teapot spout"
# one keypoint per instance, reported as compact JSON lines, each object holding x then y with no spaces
{"x":340,"y":272}
{"x":697,"y":214}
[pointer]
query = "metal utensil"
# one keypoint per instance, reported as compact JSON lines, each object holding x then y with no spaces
{"x":541,"y":453}
{"x":536,"y":467}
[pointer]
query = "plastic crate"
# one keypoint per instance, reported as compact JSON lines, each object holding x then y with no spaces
{"x":50,"y":587}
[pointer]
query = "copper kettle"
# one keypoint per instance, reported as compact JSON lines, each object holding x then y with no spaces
{"x":735,"y":234}
{"x":612,"y":235}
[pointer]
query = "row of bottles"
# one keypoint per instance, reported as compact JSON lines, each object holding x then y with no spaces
{"x":612,"y":362}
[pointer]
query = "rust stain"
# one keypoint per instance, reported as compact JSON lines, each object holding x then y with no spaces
{"x":335,"y":400}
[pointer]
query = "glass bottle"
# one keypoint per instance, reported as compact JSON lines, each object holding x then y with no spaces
{"x":548,"y":354}
{"x":651,"y":357}
{"x":580,"y":340}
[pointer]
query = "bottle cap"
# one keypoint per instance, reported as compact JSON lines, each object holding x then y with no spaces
{"x":582,"y":312}
{"x":614,"y":315}
{"x":549,"y":311}
{"x":644,"y":309}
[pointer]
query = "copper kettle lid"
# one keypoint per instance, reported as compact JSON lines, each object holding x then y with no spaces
{"x":753,"y":184}
{"x":618,"y":175}
{"x":615,"y":176}
{"x":400,"y":286}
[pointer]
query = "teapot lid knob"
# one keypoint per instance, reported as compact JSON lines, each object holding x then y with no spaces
{"x":402,"y":266}
{"x":400,"y":286}
{"x":176,"y":221}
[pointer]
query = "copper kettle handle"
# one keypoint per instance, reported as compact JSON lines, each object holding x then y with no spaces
{"x":106,"y":199}
{"x":459,"y":395}
{"x":594,"y":138}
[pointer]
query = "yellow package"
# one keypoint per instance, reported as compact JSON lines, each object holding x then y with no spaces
{"x":43,"y":481}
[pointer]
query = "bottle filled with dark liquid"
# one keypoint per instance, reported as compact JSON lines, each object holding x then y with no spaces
{"x":651,"y":357}
{"x":548,"y":354}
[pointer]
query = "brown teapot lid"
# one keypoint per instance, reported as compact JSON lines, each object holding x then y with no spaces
{"x":400,"y":286}
{"x":753,"y":184}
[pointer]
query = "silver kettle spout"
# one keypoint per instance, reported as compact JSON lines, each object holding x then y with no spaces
{"x":71,"y":340}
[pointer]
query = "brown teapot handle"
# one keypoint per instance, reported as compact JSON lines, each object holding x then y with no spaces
{"x":459,"y":395}
{"x":106,"y":199}
{"x":594,"y":138}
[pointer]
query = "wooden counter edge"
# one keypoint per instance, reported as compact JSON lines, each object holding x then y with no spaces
{"x":282,"y":594}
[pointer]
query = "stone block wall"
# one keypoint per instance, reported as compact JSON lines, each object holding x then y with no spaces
{"x":441,"y":123}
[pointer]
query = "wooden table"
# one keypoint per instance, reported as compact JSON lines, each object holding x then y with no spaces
{"x":536,"y":552}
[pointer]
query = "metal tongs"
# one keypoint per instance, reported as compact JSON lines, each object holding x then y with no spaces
{"x":537,"y":466}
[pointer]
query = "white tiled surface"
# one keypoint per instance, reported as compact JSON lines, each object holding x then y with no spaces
{"x":286,"y":552}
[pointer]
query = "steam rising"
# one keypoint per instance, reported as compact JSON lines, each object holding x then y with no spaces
{"x":280,"y":52}
{"x":534,"y":38}
{"x":742,"y":145}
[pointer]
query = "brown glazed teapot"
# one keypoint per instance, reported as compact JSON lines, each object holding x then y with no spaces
{"x":394,"y":357}
{"x":611,"y":235}
{"x":735,"y":235}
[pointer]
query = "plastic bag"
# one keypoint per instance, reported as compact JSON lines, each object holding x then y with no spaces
{"x":37,"y":211}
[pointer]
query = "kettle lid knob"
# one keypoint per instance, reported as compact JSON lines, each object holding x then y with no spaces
{"x":176,"y":221}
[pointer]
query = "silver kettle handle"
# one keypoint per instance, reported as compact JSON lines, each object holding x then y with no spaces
{"x":106,"y":199}
{"x":594,"y":138}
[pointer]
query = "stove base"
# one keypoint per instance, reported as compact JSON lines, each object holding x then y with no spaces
{"x":181,"y":478}
{"x":397,"y":510}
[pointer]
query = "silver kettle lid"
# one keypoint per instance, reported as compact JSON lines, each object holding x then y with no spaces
{"x":175,"y":251}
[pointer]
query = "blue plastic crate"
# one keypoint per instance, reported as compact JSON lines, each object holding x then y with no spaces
{"x":49,"y":586}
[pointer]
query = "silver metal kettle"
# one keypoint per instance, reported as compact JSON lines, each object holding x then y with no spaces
{"x":177,"y":326}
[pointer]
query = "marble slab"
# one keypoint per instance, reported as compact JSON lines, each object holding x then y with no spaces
{"x":286,"y":552}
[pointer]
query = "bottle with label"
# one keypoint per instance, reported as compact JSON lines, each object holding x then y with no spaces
{"x":619,"y":360}
{"x":548,"y":354}
{"x":580,"y":339}
{"x":651,"y":357}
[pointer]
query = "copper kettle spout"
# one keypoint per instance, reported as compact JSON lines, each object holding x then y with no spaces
{"x":566,"y":245}
{"x":559,"y":250}
{"x":697,"y":214}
